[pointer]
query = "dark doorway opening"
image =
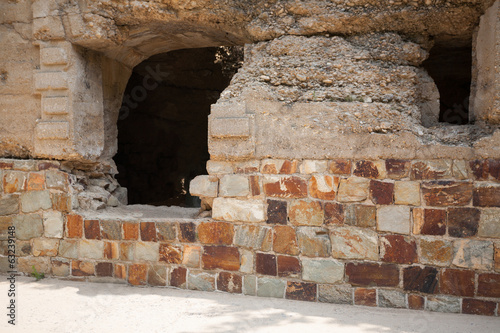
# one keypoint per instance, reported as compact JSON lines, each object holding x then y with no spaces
{"x":163,"y":123}
{"x":451,"y":69}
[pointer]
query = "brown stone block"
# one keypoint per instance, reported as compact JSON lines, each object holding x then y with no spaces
{"x":478,"y":307}
{"x":266,"y":264}
{"x":487,"y":195}
{"x":398,"y":249}
{"x":463,"y":222}
{"x":120,"y":271}
{"x":479,"y":169}
{"x":497,"y":257}
{"x":137,"y":274}
{"x":220,"y":233}
{"x":104,"y":269}
{"x":148,"y":231}
{"x":36,"y":181}
{"x":371,"y":274}
{"x":276,"y":212}
{"x":436,"y":251}
{"x":187,"y":232}
{"x":429,"y":221}
{"x":340,"y":167}
{"x":366,"y":169}
{"x":366,"y":297}
{"x":229,"y":282}
{"x":130,"y":231}
{"x":289,"y":266}
{"x":254,"y":182}
{"x":488,"y":285}
{"x":381,"y":193}
{"x":397,"y":169}
{"x":6,"y":165}
{"x":323,"y":187}
{"x":61,"y":202}
{"x":170,"y":254}
{"x":301,"y":291}
{"x":286,"y":187}
{"x":74,"y":226}
{"x":126,"y":251}
{"x":178,"y":277}
{"x":416,"y":302}
{"x":285,"y":240}
{"x":223,"y":257}
{"x":111,"y":230}
{"x":420,"y":279}
{"x":314,"y":242}
{"x":447,"y":193}
{"x":111,"y":250}
{"x":305,"y":212}
{"x":361,"y":216}
{"x":47,"y":166}
{"x":457,"y":282}
{"x":167,"y":231}
{"x":427,"y":170}
{"x":82,"y":268}
{"x":92,"y":229}
{"x":494,"y":169}
{"x":334,"y":213}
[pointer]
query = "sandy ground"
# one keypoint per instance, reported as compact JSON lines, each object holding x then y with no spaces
{"x":52,"y":305}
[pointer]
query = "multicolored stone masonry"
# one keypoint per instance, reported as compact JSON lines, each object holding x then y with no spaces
{"x":386,"y":233}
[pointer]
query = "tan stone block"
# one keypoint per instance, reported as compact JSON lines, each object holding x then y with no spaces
{"x":234,"y":186}
{"x":273,"y":166}
{"x":204,"y":186}
{"x":247,"y":261}
{"x":323,"y":187}
{"x":60,"y":266}
{"x":14,"y":181}
{"x":68,"y":249}
{"x":436,"y":251}
{"x":49,"y":27}
{"x":42,"y":264}
{"x":191,"y":256}
{"x":53,"y":224}
{"x":353,"y":189}
{"x":473,"y":254}
{"x":394,"y":219}
{"x":489,"y":223}
{"x":233,"y":210}
{"x":407,"y":193}
{"x":305,"y":212}
{"x":45,"y":247}
{"x":313,"y":166}
{"x":234,"y":127}
{"x":91,"y":249}
{"x":147,"y":251}
{"x":219,"y":167}
{"x":354,"y":243}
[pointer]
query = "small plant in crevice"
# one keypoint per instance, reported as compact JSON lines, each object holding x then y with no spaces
{"x":36,"y":275}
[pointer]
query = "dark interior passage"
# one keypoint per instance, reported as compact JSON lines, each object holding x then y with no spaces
{"x":163,"y":123}
{"x":451,"y":69}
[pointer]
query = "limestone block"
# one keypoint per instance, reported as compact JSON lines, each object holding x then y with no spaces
{"x":53,"y":56}
{"x":203,"y":186}
{"x":233,"y":210}
{"x":353,"y":189}
{"x":234,"y":186}
{"x":230,"y":127}
{"x":28,"y":226}
{"x":53,"y":224}
{"x":91,"y":249}
{"x":51,"y":80}
{"x":394,"y":219}
{"x":55,"y":130}
{"x":58,"y":105}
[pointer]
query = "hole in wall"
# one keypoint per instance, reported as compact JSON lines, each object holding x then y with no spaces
{"x":163,"y":122}
{"x":451,"y":69}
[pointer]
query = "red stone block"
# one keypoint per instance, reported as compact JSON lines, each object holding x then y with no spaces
{"x":479,"y":169}
{"x":104,"y":269}
{"x":285,"y":240}
{"x":130,"y":231}
{"x":266,"y":264}
{"x":92,"y":229}
{"x":223,"y":257}
{"x":229,"y":282}
{"x":6,"y":165}
{"x":216,"y":233}
{"x":188,"y":232}
{"x":276,"y":212}
{"x":334,"y":213}
{"x":366,"y":297}
{"x":366,"y":169}
{"x":398,"y":249}
{"x":288,"y":266}
{"x":82,"y":268}
{"x":494,"y":169}
{"x":463,"y":222}
{"x":120,"y":271}
{"x":137,"y":274}
{"x":36,"y":181}
{"x":301,"y":291}
{"x":488,"y":285}
{"x":371,"y":274}
{"x":170,"y":254}
{"x":254,"y":182}
{"x":431,"y":222}
{"x":424,"y":171}
{"x":416,"y":302}
{"x":457,"y":282}
{"x":397,"y":169}
{"x":340,"y":167}
{"x":447,"y":193}
{"x":327,"y":193}
{"x":381,"y":193}
{"x":148,"y":231}
{"x":178,"y":277}
{"x":287,"y":187}
{"x":487,"y":196}
{"x":420,"y":279}
{"x":478,"y":307}
{"x":74,"y":226}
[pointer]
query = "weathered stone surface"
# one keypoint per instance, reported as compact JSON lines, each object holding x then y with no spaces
{"x":434,"y":169}
{"x":53,"y":224}
{"x":200,"y":281}
{"x":157,"y":275}
{"x":234,"y":186}
{"x":381,"y":193}
{"x":111,"y":250}
{"x":92,"y":229}
{"x":14,"y":181}
{"x":269,"y":287}
{"x":233,"y":210}
{"x":443,"y":304}
{"x":9,"y":204}
{"x":82,"y":268}
{"x":322,"y":270}
{"x":68,"y":249}
{"x":229,"y":282}
{"x":169,"y":253}
{"x":473,"y":254}
{"x":247,"y":261}
{"x":489,"y":223}
{"x":104,"y":269}
{"x":137,"y":274}
{"x":74,"y":225}
{"x":478,"y":307}
{"x":276,"y":211}
{"x":397,"y":169}
{"x":394,"y":219}
{"x":456,"y":282}
{"x":43,"y":247}
{"x":436,"y":251}
{"x":285,"y":240}
{"x":279,"y":166}
{"x":216,"y":233}
{"x":486,"y":195}
{"x":420,"y":279}
{"x":148,"y":231}
{"x":353,"y":189}
{"x":204,"y":186}
{"x":365,"y":296}
{"x":301,"y":291}
{"x":416,"y":302}
{"x":361,"y":216}
{"x":191,"y":256}
{"x":187,"y":232}
{"x":407,"y":193}
{"x":463,"y":222}
{"x":391,"y":299}
{"x":313,"y":166}
{"x":266,"y":264}
{"x":178,"y":277}
{"x":340,"y":167}
{"x":304,"y":212}
{"x":289,"y":266}
{"x":398,"y":249}
{"x":323,"y":187}
{"x":252,"y":236}
{"x":167,"y":231}
{"x":250,"y":285}
{"x":337,"y":294}
{"x":446,"y":193}
{"x":285,"y":187}
{"x":60,"y":267}
{"x":371,"y":274}
{"x":354,"y":243}
{"x":314,"y":241}
{"x":28,"y":226}
{"x":223,"y":257}
{"x":429,"y":221}
{"x":488,"y":285}
{"x":111,"y":230}
{"x":91,"y":249}
{"x":35,"y":200}
{"x":366,"y":169}
{"x":334,"y":213}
